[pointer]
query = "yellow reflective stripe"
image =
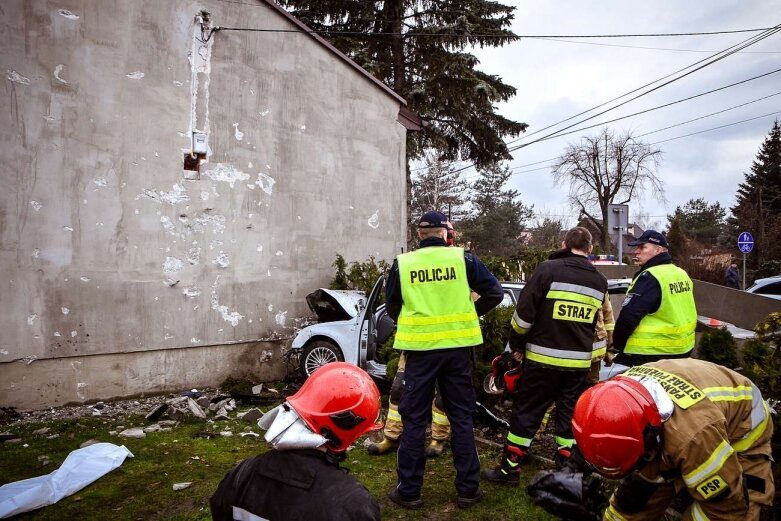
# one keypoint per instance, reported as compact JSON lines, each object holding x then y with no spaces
{"x":440,"y":419}
{"x":521,"y":322}
{"x":559,"y":362}
{"x":439,"y":335}
{"x":666,"y":330}
{"x":612,"y":514}
{"x":518,"y":440}
{"x":711,"y":466}
{"x":729,"y":394}
{"x":697,"y":513}
{"x":655,"y":341}
{"x":574,"y":297}
{"x":517,"y":328}
{"x":393,"y":414}
{"x":610,"y":327}
{"x":748,"y":441}
{"x":564,"y":442}
{"x":598,"y":352}
{"x":441,"y":319}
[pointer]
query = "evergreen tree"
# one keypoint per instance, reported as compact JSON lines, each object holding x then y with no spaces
{"x":676,"y":237}
{"x":758,"y":206}
{"x":498,"y":216}
{"x":436,"y":186}
{"x":701,"y":222}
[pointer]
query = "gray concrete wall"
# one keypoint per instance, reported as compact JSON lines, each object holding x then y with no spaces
{"x":107,"y":248}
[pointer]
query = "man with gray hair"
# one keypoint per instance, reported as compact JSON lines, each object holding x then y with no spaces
{"x":553,"y":334}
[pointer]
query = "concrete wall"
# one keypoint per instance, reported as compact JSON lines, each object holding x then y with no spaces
{"x":120,"y":273}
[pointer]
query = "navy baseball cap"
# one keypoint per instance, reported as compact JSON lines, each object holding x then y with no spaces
{"x":433,"y":219}
{"x":650,"y":236}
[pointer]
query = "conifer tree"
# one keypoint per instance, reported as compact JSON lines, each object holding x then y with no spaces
{"x":758,"y":205}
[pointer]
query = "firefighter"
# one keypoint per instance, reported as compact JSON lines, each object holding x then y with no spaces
{"x":553,"y":331}
{"x":440,"y":425}
{"x":301,"y":478}
{"x":429,"y":296}
{"x":679,"y":425}
{"x":603,"y":340}
{"x":658,"y":316}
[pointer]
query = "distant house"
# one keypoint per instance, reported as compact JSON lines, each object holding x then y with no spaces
{"x":595,"y":227}
{"x":172,"y":192}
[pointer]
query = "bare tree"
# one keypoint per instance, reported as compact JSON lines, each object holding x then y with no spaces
{"x":608,"y":169}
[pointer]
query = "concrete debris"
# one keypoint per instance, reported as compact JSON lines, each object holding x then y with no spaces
{"x":257,"y":389}
{"x":157,"y":412}
{"x":135,"y":432}
{"x":53,"y":437}
{"x":226,"y":434}
{"x":182,"y":486}
{"x":41,"y":432}
{"x":194,"y":408}
{"x":250,"y":433}
{"x":88,"y":443}
{"x":221,"y":415}
{"x":14,"y":440}
{"x":250,"y":416}
{"x":167,"y":423}
{"x":155,"y":427}
{"x":203,"y":402}
{"x":44,"y":460}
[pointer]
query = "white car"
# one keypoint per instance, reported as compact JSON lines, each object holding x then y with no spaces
{"x":769,"y":287}
{"x":352,"y":327}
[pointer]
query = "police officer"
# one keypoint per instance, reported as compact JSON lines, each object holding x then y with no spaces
{"x":658,"y":316}
{"x":677,"y":425}
{"x":301,"y":478}
{"x":429,"y":295}
{"x":553,"y":326}
{"x":440,"y":425}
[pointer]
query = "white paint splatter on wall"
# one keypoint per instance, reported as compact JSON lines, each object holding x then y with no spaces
{"x":222,"y":260}
{"x":232,"y":317}
{"x":31,"y":318}
{"x":67,"y":14}
{"x":260,"y":248}
{"x":263,"y":113}
{"x":238,"y":134}
{"x":168,"y":226}
{"x":137,"y":75}
{"x":67,"y":228}
{"x":57,"y":334}
{"x":57,"y":71}
{"x":65,"y":310}
{"x":374,"y":220}
{"x":28,"y":359}
{"x":223,"y":172}
{"x":280,"y":318}
{"x":266,"y":356}
{"x":178,"y":83}
{"x":36,"y":205}
{"x":270,"y":308}
{"x":204,"y":195}
{"x":81,"y":390}
{"x":191,"y":292}
{"x":172,"y":265}
{"x":74,"y":334}
{"x":15,"y":77}
{"x":36,"y":253}
{"x":217,"y":222}
{"x":177,"y":195}
{"x":195,"y":340}
{"x":279,"y":253}
{"x":85,"y":279}
{"x":215,"y":243}
{"x":3,"y":352}
{"x":265,"y":183}
{"x":194,"y":254}
{"x":100,"y":182}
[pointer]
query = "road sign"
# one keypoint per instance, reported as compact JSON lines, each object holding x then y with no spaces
{"x":745,"y":242}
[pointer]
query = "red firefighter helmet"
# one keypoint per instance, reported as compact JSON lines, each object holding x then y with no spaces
{"x":339,"y":401}
{"x":616,"y":424}
{"x":505,"y":374}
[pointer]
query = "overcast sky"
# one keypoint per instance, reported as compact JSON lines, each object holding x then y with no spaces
{"x":556,"y":80}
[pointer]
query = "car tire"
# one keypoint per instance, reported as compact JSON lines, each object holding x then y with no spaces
{"x":318,"y":353}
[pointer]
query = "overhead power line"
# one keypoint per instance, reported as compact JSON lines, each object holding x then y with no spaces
{"x":645,"y":48}
{"x":485,"y":35}
{"x":720,"y":126}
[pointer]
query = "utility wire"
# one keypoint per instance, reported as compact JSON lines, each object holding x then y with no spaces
{"x":666,"y":105}
{"x":641,"y":47}
{"x":485,"y":35}
{"x":716,"y":128}
{"x":700,"y":65}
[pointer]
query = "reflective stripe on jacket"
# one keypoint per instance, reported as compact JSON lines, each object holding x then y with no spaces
{"x":670,"y":330}
{"x":437,"y":310}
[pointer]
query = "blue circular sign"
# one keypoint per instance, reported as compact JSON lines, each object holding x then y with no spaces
{"x":745,"y":242}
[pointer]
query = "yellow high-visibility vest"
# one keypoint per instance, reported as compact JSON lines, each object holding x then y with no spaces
{"x":437,"y":311}
{"x":670,"y":330}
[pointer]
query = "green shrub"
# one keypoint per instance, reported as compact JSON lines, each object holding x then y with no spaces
{"x":719,"y":346}
{"x":357,"y":275}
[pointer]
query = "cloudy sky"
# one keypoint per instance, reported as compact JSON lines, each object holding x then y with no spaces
{"x":557,"y":79}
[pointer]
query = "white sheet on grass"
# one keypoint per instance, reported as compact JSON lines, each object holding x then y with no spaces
{"x":80,"y":468}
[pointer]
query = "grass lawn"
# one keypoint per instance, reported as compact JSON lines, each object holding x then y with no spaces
{"x":141,"y":489}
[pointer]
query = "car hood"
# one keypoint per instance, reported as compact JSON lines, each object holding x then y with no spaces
{"x":331,"y":305}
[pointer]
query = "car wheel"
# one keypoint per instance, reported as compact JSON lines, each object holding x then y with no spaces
{"x":317,"y":354}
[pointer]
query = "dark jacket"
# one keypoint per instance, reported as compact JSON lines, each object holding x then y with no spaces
{"x":306,"y":485}
{"x":644,"y":299}
{"x":534,"y":306}
{"x":480,"y":280}
{"x":731,"y":278}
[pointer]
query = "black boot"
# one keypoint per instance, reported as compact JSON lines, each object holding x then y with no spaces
{"x":508,"y":472}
